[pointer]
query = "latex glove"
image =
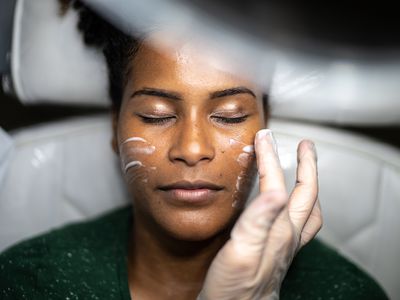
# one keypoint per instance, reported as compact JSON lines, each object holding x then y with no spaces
{"x":268,"y":234}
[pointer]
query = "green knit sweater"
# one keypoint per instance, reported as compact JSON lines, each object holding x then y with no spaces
{"x":89,"y":261}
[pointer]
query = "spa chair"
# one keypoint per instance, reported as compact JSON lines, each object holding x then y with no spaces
{"x":65,"y":171}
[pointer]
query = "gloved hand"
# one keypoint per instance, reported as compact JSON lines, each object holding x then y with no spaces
{"x":268,"y":234}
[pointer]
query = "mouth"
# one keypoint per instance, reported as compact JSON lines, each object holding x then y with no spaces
{"x":186,"y":192}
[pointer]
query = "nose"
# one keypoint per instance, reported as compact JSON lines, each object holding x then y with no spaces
{"x":192,"y":144}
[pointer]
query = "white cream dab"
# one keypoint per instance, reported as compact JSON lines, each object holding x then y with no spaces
{"x":238,"y":182}
{"x":134,"y":139}
{"x":235,"y":142}
{"x":243,"y":159}
{"x":127,"y":151}
{"x":132,"y":164}
{"x":235,"y":202}
{"x":248,"y":149}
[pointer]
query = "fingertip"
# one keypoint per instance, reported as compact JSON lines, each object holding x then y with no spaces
{"x":266,"y":135}
{"x":306,"y":146}
{"x":263,"y":132}
{"x":306,"y":143}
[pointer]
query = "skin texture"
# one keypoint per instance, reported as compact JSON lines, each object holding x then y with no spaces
{"x":178,"y":122}
{"x":193,"y":144}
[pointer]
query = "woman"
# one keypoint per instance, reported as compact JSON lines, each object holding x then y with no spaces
{"x":190,"y":139}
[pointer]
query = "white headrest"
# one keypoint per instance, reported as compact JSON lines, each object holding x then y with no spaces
{"x":50,"y":63}
{"x":356,"y":92}
{"x":6,"y":146}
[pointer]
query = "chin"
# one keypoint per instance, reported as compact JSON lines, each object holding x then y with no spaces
{"x":198,"y":226}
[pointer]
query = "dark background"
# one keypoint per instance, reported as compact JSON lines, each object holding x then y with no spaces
{"x":14,"y":115}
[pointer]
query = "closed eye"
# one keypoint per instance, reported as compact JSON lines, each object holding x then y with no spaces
{"x":156,"y":120}
{"x":232,"y":120}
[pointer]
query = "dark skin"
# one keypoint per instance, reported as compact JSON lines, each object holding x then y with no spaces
{"x":198,"y":119}
{"x":184,"y":120}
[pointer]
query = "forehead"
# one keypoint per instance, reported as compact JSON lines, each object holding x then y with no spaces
{"x":184,"y":65}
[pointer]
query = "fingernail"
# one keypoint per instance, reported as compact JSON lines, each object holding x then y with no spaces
{"x":267,"y":134}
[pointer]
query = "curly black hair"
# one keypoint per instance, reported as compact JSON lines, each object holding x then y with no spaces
{"x":118,"y":48}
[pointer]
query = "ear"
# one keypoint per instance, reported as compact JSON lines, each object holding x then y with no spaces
{"x":114,"y":138}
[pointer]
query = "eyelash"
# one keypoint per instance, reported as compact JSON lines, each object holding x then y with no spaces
{"x":163,"y":120}
{"x":235,"y":120}
{"x":156,"y":121}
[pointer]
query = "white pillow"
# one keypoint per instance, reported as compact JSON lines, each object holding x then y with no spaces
{"x":6,"y":147}
{"x":354,"y":92}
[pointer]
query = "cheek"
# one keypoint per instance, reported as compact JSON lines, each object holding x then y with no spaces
{"x":136,"y":159}
{"x":246,"y":157}
{"x":241,"y":158}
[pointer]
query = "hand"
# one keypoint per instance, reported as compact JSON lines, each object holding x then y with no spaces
{"x":268,"y":234}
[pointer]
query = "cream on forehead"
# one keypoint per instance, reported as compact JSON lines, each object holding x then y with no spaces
{"x":195,"y":69}
{"x":190,"y":47}
{"x":202,"y":61}
{"x":190,"y":52}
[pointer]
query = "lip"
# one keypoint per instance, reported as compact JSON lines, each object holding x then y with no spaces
{"x":188,"y":185}
{"x":186,"y":192}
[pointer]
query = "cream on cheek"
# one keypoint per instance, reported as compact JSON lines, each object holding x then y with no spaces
{"x":132,"y":151}
{"x":243,"y":159}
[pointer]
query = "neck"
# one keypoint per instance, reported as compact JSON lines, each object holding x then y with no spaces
{"x":163,"y":267}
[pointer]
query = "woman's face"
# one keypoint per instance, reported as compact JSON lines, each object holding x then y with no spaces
{"x":185,"y":133}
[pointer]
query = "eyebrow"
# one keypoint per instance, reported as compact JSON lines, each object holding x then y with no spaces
{"x":158,"y":93}
{"x":231,"y":92}
{"x":176,"y":96}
